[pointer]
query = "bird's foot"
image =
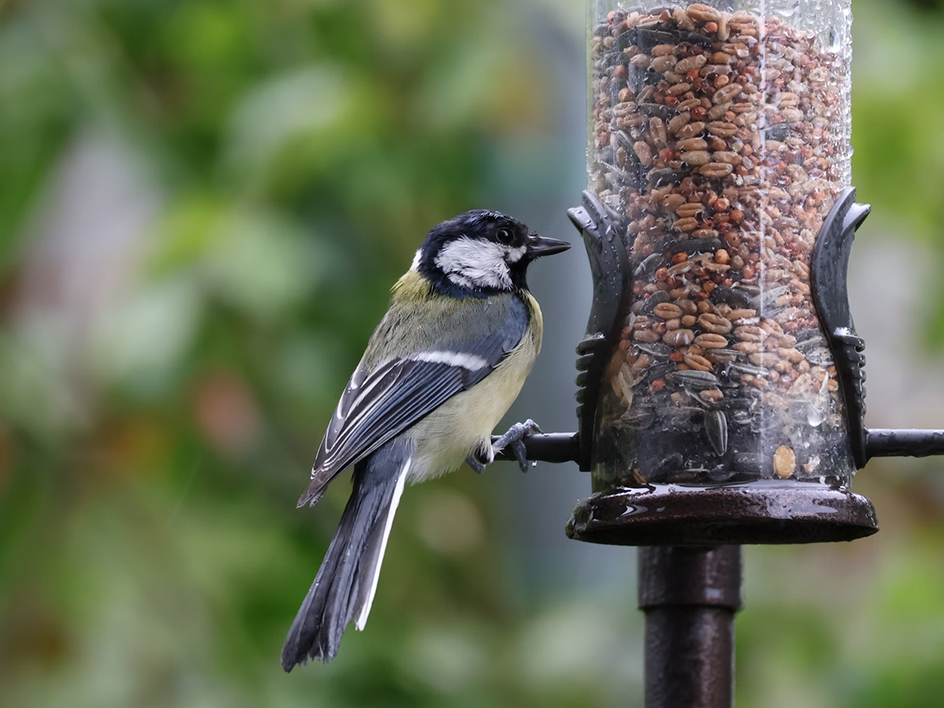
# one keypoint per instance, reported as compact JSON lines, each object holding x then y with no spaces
{"x":514,"y":439}
{"x":477,"y":465}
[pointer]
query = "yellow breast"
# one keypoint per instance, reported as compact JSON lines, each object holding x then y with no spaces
{"x":447,"y":436}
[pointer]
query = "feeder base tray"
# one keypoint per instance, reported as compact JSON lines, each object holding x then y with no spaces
{"x":757,"y":512}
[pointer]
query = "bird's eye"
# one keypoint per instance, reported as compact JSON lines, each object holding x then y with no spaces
{"x":505,"y":236}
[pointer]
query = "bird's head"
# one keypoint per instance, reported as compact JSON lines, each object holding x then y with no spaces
{"x":481,"y":252}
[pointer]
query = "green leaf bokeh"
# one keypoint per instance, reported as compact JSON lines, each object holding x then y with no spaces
{"x":202,"y":207}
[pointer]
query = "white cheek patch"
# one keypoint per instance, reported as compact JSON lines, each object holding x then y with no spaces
{"x":475,"y":263}
{"x":460,"y":359}
{"x":516,"y":254}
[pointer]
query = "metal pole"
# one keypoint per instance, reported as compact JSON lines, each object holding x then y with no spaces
{"x":904,"y":443}
{"x":690,"y":596}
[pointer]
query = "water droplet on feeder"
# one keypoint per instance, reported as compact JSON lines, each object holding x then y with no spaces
{"x":787,"y":11}
{"x":815,"y":416}
{"x":834,"y":41}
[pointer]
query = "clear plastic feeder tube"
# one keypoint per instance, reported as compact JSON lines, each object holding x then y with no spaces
{"x":719,"y":138}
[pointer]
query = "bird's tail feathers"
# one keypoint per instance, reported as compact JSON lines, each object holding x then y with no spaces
{"x":371,"y":561}
{"x":311,"y":496}
{"x":347,"y":580}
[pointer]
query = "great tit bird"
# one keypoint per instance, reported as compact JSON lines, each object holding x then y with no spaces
{"x":441,"y":369}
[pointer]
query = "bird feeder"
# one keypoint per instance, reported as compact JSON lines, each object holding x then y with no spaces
{"x":720,"y":392}
{"x":724,"y":403}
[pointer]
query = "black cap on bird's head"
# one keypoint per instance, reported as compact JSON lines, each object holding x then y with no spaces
{"x":481,"y":252}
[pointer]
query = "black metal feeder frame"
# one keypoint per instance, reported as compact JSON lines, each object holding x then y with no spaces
{"x":691,"y":455}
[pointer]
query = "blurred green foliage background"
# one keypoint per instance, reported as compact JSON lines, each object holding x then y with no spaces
{"x":202,"y":207}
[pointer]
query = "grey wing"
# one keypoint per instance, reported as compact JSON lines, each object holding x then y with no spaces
{"x":379,"y":404}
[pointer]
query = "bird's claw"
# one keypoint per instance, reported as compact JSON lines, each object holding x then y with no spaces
{"x":521,"y":454}
{"x":514,"y":438}
{"x":475,"y":463}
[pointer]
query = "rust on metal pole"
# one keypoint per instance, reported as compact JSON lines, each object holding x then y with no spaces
{"x":690,"y":596}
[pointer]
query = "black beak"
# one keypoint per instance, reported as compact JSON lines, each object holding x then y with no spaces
{"x":542,"y":246}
